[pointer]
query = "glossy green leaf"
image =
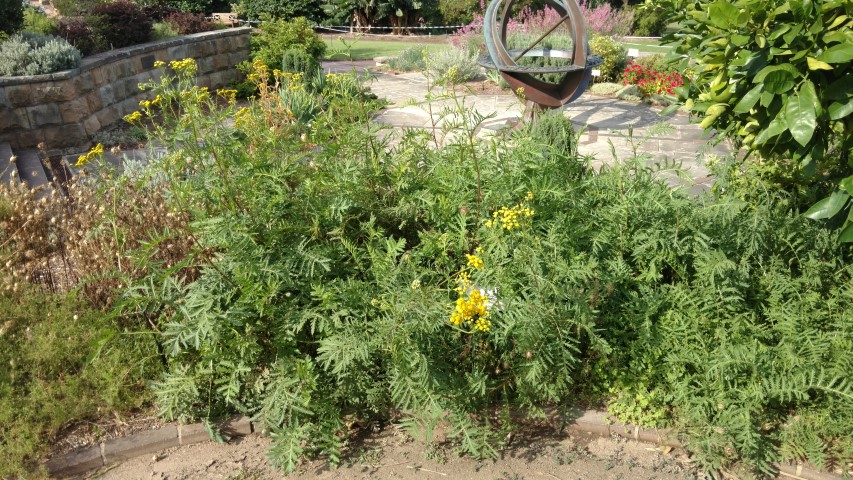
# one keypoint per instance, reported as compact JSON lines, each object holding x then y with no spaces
{"x":776,"y":127}
{"x":723,"y":14}
{"x":749,"y":100}
{"x":846,"y":235}
{"x":840,"y":53}
{"x":839,"y":110}
{"x":801,"y":112}
{"x":847,"y":184}
{"x":778,"y":81}
{"x":828,"y":207}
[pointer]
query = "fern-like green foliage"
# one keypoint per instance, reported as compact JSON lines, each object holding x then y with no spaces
{"x":330,"y":264}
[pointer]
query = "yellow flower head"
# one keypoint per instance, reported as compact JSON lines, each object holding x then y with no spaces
{"x":186,"y":66}
{"x":133,"y":117}
{"x":230,"y":95}
{"x":96,"y":152}
{"x":159,"y":64}
{"x":475,"y":261}
{"x":471,"y":310}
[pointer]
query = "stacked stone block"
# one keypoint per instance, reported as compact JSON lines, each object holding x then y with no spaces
{"x":64,"y":109}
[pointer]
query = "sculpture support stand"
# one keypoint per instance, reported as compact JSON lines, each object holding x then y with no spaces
{"x":539,"y":93}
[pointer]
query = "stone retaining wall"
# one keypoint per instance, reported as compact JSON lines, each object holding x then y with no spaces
{"x":64,"y":109}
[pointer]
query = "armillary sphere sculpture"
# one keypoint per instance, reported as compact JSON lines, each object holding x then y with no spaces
{"x":540,"y":93}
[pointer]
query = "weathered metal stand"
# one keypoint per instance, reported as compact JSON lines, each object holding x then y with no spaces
{"x":539,"y":93}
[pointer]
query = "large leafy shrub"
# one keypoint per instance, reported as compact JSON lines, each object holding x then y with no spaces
{"x":187,"y":23}
{"x":11,"y":17}
{"x":34,"y":54}
{"x":278,"y":36}
{"x":348,"y":275}
{"x":79,"y":33}
{"x":120,"y":24}
{"x":613,"y":54}
{"x":774,"y":77}
{"x":36,"y":21}
{"x":279,"y":9}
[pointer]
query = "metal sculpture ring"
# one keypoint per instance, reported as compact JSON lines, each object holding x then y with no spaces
{"x":541,"y":93}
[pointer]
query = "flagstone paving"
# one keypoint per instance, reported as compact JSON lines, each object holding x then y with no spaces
{"x":608,"y":125}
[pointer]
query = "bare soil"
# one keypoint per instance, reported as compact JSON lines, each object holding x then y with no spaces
{"x":393,"y":454}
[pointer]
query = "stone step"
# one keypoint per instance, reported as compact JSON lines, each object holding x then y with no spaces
{"x":31,"y":169}
{"x":6,"y":165}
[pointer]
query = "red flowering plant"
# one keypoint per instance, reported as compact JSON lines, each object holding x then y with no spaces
{"x":650,"y":81}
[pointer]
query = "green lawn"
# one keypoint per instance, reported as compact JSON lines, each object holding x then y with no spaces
{"x":367,"y":49}
{"x":646,"y":46}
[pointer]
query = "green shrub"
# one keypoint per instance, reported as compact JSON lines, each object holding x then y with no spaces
{"x":279,"y":36}
{"x":650,"y":19}
{"x":774,"y":78}
{"x":613,"y":53}
{"x":296,"y":60}
{"x":410,"y":59}
{"x":34,"y":54}
{"x":356,"y":276}
{"x":450,"y":66}
{"x":163,"y":30}
{"x":63,"y":363}
{"x":77,"y":8}
{"x":11,"y":17}
{"x":37,"y":22}
{"x":605,"y":88}
{"x":279,"y":9}
{"x":120,"y":24}
{"x":79,"y":33}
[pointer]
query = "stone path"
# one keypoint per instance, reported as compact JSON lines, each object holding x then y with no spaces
{"x":608,"y":125}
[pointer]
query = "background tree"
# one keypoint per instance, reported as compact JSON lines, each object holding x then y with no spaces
{"x":11,"y":17}
{"x":285,"y":9}
{"x":774,"y":77}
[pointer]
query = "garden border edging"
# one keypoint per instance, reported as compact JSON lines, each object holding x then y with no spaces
{"x":116,"y":450}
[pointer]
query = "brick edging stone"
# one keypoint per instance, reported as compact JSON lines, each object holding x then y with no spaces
{"x":117,"y":450}
{"x":152,"y":441}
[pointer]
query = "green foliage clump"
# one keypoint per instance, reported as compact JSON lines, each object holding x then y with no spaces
{"x":605,"y":88}
{"x":163,"y":30}
{"x":775,"y":78}
{"x":278,"y":36}
{"x":62,"y":363}
{"x":34,"y":54}
{"x":410,"y":59}
{"x":120,"y":24}
{"x":37,"y":22}
{"x":346,"y":274}
{"x":279,"y":9}
{"x":650,"y":19}
{"x":11,"y":17}
{"x":450,"y":66}
{"x":613,"y":53}
{"x":296,"y":60}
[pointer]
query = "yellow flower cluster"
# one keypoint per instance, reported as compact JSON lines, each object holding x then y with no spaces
{"x":94,"y":153}
{"x":510,"y":218}
{"x":475,"y":261}
{"x":133,"y":117}
{"x":198,"y":94}
{"x":260,"y":72}
{"x":242,"y":117}
{"x":230,"y":95}
{"x":472,"y":310}
{"x":186,"y":65}
{"x":151,"y":103}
